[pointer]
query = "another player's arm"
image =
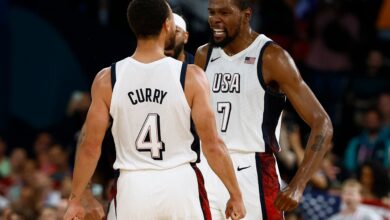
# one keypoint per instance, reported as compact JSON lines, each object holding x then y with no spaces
{"x":201,"y":56}
{"x":92,"y":134}
{"x":197,"y":93}
{"x":279,"y":67}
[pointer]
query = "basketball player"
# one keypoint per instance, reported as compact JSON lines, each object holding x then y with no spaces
{"x":151,"y":99}
{"x":181,"y":39}
{"x":250,"y":78}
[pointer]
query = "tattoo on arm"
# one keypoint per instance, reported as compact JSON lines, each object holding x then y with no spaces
{"x":72,"y":196}
{"x":318,"y":143}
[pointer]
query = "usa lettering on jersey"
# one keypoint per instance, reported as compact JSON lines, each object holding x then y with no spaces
{"x":226,"y":82}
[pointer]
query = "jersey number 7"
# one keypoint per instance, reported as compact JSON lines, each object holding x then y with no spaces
{"x":149,"y":137}
{"x":224,"y":108}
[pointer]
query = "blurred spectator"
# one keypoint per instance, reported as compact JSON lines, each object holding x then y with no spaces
{"x":368,"y":146}
{"x":26,"y":203}
{"x":18,"y":161}
{"x":352,"y":209}
{"x":9,"y":214}
{"x":59,"y":159}
{"x":5,"y":167}
{"x":336,"y":32}
{"x":384,"y":109}
{"x":366,"y":86}
{"x":48,"y":213}
{"x":383,"y":22}
{"x":374,"y":180}
{"x":41,"y":149}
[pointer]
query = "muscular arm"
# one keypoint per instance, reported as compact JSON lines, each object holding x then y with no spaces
{"x":197,"y":93}
{"x":92,"y":134}
{"x":279,"y":68}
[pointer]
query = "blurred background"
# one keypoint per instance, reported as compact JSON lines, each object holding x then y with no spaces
{"x":50,"y":52}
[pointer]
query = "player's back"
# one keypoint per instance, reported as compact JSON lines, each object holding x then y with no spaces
{"x":151,"y":116}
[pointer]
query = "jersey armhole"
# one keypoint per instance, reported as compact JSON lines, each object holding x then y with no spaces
{"x":260,"y":71}
{"x":260,"y":64}
{"x":113,"y":75}
{"x":113,"y":81}
{"x":209,"y":51}
{"x":183,"y":73}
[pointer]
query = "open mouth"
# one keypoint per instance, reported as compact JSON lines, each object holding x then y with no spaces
{"x":218,"y":33}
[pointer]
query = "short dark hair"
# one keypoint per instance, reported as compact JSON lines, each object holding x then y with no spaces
{"x":243,"y":4}
{"x":146,"y":17}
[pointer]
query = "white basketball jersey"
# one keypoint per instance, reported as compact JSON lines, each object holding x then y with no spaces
{"x":151,"y":116}
{"x":248,"y":114}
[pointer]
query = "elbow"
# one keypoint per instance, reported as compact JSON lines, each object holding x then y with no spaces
{"x":327,"y":128}
{"x":323,"y":125}
{"x":214,"y":149}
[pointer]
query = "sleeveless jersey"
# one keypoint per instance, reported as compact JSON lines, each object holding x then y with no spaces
{"x":151,"y":117}
{"x":247,"y":113}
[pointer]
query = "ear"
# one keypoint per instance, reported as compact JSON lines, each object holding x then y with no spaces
{"x":186,"y":35}
{"x":167,"y":25}
{"x":247,"y":14}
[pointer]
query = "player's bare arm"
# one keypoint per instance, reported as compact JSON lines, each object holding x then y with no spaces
{"x":90,"y":140}
{"x":279,"y":69}
{"x":215,"y":151}
{"x":201,"y":55}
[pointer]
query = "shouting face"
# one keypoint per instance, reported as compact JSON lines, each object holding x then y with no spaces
{"x":225,"y":20}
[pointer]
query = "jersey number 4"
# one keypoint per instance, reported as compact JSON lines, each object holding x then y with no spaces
{"x":224,"y":108}
{"x":149,"y":137}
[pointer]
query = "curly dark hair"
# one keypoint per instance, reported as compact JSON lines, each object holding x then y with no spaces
{"x":146,"y":17}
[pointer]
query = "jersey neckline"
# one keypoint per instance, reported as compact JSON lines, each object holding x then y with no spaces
{"x":131,"y":59}
{"x":235,"y":56}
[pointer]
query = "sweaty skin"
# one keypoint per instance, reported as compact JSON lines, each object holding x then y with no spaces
{"x":280,"y":74}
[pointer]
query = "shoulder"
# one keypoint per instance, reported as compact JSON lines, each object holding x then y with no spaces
{"x":201,"y":55}
{"x":101,"y":86}
{"x":274,"y":53}
{"x":202,"y":50}
{"x":279,"y":66}
{"x":103,"y":78}
{"x":196,"y":75}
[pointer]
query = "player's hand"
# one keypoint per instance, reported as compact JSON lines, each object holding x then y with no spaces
{"x":75,"y":211}
{"x":235,"y":209}
{"x":93,"y":208}
{"x":288,"y":199}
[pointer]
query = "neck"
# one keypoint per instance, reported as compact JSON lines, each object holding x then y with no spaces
{"x":182,"y":56}
{"x":149,"y":50}
{"x":241,"y":42}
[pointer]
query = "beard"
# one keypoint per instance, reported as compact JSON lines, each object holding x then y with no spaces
{"x":223,"y":43}
{"x":227,"y":40}
{"x":170,"y":42}
{"x":177,"y":49}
